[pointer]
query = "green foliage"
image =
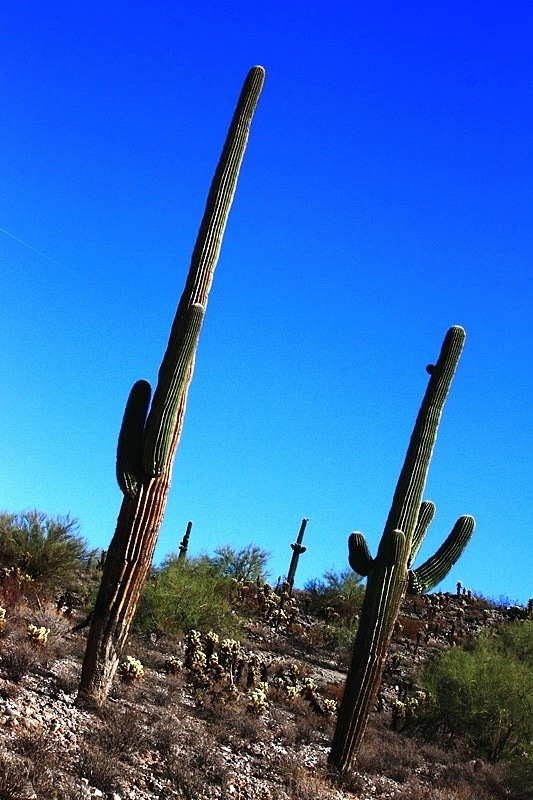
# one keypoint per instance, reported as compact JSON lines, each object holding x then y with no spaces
{"x":185,"y":594}
{"x":484,"y":692}
{"x":247,"y":564}
{"x":337,"y":598}
{"x":342,"y":592}
{"x":50,"y":550}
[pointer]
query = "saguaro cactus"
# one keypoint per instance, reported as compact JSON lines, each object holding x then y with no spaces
{"x":147,"y":444}
{"x":185,"y":541}
{"x":297,"y":549}
{"x":389,"y":574}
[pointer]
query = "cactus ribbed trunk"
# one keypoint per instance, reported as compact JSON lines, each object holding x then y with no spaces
{"x":388,"y":574}
{"x":146,"y":452}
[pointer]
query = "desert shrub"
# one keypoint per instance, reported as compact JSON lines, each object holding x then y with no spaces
{"x":484,"y":691}
{"x":17,"y":659}
{"x":102,"y":772}
{"x":14,"y":779}
{"x":302,"y":782}
{"x":191,"y":761}
{"x":337,"y":597}
{"x":247,"y":564}
{"x":186,"y":594}
{"x":121,"y":733}
{"x":51,"y":551}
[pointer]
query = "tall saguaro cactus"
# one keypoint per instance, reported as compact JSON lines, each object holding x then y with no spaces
{"x":150,"y":434}
{"x":297,"y":550}
{"x":184,"y":545}
{"x":389,"y":573}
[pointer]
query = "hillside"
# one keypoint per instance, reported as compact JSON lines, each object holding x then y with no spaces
{"x":254,"y":720}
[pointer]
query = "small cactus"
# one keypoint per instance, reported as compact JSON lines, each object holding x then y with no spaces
{"x":38,"y":635}
{"x":173,"y":665}
{"x":131,"y":669}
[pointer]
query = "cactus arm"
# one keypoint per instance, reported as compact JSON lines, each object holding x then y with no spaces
{"x":435,"y":569}
{"x":130,"y":439}
{"x":174,"y":377}
{"x":425,"y":518}
{"x":359,"y":556}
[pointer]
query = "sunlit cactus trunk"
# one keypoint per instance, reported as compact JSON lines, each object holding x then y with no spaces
{"x":150,"y":434}
{"x":389,"y":574}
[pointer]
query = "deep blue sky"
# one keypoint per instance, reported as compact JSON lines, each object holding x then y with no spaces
{"x":386,"y":195}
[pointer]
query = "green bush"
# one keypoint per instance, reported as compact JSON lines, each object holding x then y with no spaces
{"x":50,"y":550}
{"x":185,"y":594}
{"x":484,"y":692}
{"x":247,"y":564}
{"x":338,"y":595}
{"x":336,"y":599}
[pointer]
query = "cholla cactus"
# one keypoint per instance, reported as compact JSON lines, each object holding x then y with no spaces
{"x":38,"y":635}
{"x":173,"y":665}
{"x":192,"y":646}
{"x":211,"y":641}
{"x":131,"y":669}
{"x":257,"y":702}
{"x":330,"y":706}
{"x":198,"y":662}
{"x":292,"y":692}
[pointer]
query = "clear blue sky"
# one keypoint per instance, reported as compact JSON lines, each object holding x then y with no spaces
{"x":386,"y":195}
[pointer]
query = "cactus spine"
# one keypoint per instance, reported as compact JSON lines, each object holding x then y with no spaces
{"x":185,"y":541}
{"x":389,"y":574}
{"x":146,"y":451}
{"x":297,"y":549}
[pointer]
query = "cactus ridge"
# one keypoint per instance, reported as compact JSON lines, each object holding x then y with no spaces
{"x":171,"y":386}
{"x":130,"y":439}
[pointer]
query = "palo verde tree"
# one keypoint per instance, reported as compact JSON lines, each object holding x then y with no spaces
{"x":150,"y":432}
{"x":389,"y":574}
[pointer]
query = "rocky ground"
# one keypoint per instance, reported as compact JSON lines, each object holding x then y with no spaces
{"x":186,"y":730}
